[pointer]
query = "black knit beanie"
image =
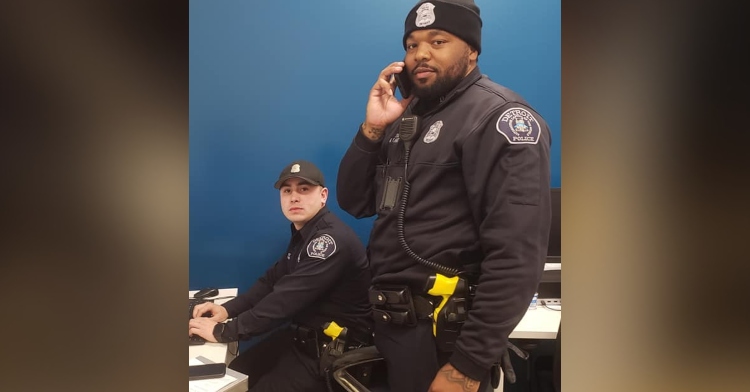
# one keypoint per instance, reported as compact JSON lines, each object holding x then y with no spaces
{"x":458,"y":17}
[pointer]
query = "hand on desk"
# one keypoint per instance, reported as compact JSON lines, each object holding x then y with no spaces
{"x":203,"y":327}
{"x":217,"y":312}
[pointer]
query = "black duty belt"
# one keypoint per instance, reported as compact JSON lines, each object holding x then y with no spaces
{"x":399,"y":306}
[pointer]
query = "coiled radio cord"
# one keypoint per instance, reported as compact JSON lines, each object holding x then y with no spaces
{"x":407,"y":130}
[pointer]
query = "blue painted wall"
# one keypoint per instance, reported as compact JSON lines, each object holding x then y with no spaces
{"x":273,"y":81}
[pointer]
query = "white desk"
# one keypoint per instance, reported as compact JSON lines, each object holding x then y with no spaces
{"x":539,"y":323}
{"x":219,"y":352}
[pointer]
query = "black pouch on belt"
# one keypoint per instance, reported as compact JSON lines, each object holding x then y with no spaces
{"x":306,"y":340}
{"x":393,"y":304}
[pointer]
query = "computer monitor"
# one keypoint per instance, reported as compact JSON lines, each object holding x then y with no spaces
{"x":553,"y":249}
{"x":550,"y":285}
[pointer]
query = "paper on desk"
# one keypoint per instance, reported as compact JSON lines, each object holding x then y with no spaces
{"x":209,"y":384}
{"x":195,"y":361}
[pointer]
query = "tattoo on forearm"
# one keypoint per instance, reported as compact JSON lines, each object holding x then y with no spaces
{"x":373,"y":133}
{"x":456,"y":377}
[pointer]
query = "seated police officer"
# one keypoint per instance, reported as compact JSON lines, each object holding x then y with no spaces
{"x":320,"y":283}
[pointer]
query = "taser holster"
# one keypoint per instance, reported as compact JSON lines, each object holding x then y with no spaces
{"x":335,"y":347}
{"x":452,"y":311}
{"x":339,"y":344}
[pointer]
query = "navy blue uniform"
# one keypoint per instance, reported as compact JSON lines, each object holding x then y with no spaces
{"x":323,"y":276}
{"x":479,"y":175}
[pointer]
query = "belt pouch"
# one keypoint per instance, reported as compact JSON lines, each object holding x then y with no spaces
{"x":393,"y":304}
{"x":306,"y":340}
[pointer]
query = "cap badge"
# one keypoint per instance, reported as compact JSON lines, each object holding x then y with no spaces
{"x":425,"y":15}
{"x":295,"y":168}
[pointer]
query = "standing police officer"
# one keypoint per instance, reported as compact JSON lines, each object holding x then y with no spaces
{"x":458,"y":175}
{"x":322,"y":277}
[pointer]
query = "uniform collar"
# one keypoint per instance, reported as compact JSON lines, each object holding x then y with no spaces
{"x":309,"y":227}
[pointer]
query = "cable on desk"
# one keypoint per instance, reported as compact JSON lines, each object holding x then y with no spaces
{"x":228,"y":296}
{"x":211,"y":299}
{"x":235,"y":353}
{"x":544,"y":303}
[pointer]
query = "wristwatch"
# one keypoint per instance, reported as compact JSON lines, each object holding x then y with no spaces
{"x":219,"y":331}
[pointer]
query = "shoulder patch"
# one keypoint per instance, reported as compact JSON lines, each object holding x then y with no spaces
{"x":519,"y":126}
{"x":321,"y":247}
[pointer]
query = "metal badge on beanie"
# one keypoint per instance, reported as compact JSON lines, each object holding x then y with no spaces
{"x":425,"y":15}
{"x":458,"y":17}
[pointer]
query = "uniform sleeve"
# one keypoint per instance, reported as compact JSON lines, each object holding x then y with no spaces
{"x":507,"y":178}
{"x":355,"y":185}
{"x":321,"y":265}
{"x":258,"y":291}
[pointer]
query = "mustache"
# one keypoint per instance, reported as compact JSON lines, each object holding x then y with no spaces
{"x":422,"y":65}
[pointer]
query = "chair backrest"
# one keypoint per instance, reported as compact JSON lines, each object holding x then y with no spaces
{"x":360,"y":370}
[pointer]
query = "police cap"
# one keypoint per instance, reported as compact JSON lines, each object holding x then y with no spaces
{"x":301,"y":169}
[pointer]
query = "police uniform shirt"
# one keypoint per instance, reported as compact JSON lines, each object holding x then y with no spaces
{"x":323,"y":276}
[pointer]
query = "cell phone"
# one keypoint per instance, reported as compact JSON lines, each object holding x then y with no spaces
{"x":404,"y":83}
{"x":208,"y":370}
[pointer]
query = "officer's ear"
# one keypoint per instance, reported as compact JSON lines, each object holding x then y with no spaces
{"x":473,"y":54}
{"x":324,"y":195}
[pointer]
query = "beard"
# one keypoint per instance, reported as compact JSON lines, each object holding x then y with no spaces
{"x":445,"y":81}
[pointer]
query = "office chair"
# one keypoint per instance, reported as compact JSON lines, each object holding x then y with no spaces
{"x":360,"y":370}
{"x":363,"y":370}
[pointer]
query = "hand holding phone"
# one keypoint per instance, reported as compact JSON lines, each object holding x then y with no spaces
{"x":404,"y":83}
{"x":383,"y":108}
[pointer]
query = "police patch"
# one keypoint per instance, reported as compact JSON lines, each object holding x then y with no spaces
{"x":321,"y":247}
{"x":519,"y":126}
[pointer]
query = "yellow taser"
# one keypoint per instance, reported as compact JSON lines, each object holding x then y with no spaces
{"x":441,"y":286}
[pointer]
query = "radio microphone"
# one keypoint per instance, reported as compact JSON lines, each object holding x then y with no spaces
{"x":408,"y":130}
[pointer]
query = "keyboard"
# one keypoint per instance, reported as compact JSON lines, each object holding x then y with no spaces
{"x":195,"y":339}
{"x":191,"y":304}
